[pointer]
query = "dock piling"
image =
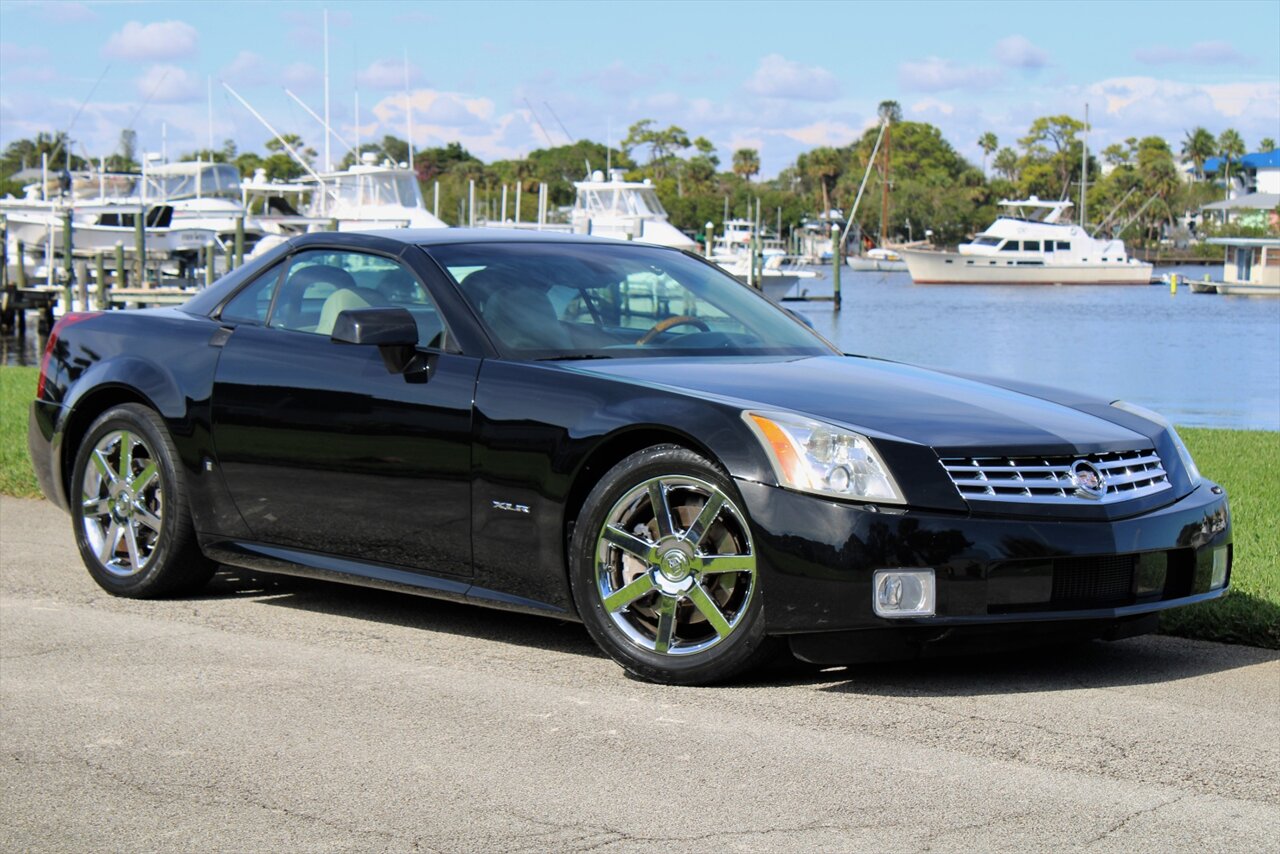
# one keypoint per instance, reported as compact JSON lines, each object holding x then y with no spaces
{"x":140,"y":246}
{"x":100,"y":270}
{"x":68,"y":263}
{"x":837,"y":262}
{"x":208,"y":264}
{"x":239,"y":256}
{"x":122,"y":276}
{"x":21,"y":266}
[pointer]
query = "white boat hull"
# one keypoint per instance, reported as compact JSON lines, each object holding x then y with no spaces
{"x":1257,"y":290}
{"x":864,"y":264}
{"x":951,"y":268}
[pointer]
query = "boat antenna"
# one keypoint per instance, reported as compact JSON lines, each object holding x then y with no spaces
{"x":1084,"y":165}
{"x":408,"y":110}
{"x":287,"y":147}
{"x":539,"y":123}
{"x":844,"y":233}
{"x":608,"y":145}
{"x":209,"y":84}
{"x":328,"y":159}
{"x":568,"y":135}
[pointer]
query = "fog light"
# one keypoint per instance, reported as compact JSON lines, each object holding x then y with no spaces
{"x":903,"y":592}
{"x":1219,"y":578}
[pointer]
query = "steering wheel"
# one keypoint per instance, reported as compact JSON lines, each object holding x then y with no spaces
{"x":666,"y":323}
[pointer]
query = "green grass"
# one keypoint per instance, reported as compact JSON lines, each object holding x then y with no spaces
{"x":17,"y":389}
{"x":1246,"y":462}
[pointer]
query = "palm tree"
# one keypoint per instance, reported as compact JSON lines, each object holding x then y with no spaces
{"x":988,"y":143}
{"x":1006,"y":163}
{"x":746,"y":162}
{"x":1230,"y":147}
{"x":823,"y":165}
{"x":1267,"y":145}
{"x":1199,"y":145}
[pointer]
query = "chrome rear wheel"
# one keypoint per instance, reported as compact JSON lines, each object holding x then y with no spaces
{"x":122,"y":503}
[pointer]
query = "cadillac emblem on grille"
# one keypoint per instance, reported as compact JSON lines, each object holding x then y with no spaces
{"x":1089,"y":482}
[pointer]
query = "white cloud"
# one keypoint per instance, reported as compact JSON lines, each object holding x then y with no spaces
{"x":167,"y":84}
{"x":300,"y":75}
{"x":1200,"y":53}
{"x":1019,"y":52}
{"x":927,"y":106}
{"x":161,"y":40}
{"x":824,"y":132}
{"x":440,"y":117}
{"x":935,"y":74}
{"x":779,"y":77}
{"x":387,"y":74}
{"x":247,"y":67}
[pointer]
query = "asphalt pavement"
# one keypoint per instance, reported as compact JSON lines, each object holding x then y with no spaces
{"x":275,"y":714}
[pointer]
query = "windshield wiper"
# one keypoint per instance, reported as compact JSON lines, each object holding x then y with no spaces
{"x":566,"y":357}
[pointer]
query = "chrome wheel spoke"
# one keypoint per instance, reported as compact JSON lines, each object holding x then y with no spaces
{"x":144,"y":478}
{"x":710,"y":511}
{"x":104,"y":468}
{"x":728,"y":563}
{"x":126,"y":455}
{"x":629,"y":543}
{"x":623,"y":597}
{"x":131,"y":543}
{"x":110,"y":541}
{"x":661,"y":512}
{"x":95,"y":506}
{"x":665,"y":633}
{"x":707,"y":606}
{"x":146,"y":517}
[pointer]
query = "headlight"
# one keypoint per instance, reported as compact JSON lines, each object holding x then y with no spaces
{"x":822,"y":458}
{"x":1142,"y":412}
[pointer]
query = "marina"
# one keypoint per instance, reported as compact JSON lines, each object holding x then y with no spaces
{"x":1201,"y":359}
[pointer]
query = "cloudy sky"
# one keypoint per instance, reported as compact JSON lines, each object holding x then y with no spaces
{"x":503,"y":78}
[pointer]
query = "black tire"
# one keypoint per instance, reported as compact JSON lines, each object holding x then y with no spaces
{"x":665,"y":586}
{"x":130,"y":515}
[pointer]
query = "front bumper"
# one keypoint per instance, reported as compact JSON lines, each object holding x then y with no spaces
{"x":817,"y":558}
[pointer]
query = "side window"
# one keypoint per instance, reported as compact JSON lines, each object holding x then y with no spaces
{"x":320,"y":284}
{"x":254,"y":300}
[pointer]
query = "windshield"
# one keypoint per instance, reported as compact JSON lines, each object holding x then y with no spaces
{"x":218,"y":179}
{"x":380,"y":188}
{"x":574,"y":300}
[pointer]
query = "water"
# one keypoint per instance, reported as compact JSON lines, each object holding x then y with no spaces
{"x":1201,"y":359}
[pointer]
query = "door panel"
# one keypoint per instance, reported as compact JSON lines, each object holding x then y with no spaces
{"x":322,"y":448}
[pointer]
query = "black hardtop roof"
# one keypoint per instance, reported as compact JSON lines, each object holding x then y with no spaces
{"x":448,"y":236}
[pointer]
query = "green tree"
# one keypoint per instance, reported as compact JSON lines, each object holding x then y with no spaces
{"x":280,"y":165}
{"x":663,"y":145}
{"x":1230,"y":146}
{"x":1052,"y":154}
{"x":1267,"y":145}
{"x":988,"y":142}
{"x":26,"y":154}
{"x":1198,"y":146}
{"x":1116,"y":154}
{"x":1006,"y":164}
{"x":822,"y":166}
{"x":746,"y":162}
{"x":889,"y":111}
{"x":701,"y":168}
{"x":125,"y":157}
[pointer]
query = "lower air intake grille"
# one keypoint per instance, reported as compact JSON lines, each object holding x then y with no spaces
{"x":1093,"y":581}
{"x":1115,"y":475}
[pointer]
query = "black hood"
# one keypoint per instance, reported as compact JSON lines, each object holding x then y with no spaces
{"x":948,"y":413}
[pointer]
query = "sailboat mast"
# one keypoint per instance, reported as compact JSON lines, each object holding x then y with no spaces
{"x":884,"y":194}
{"x":408,"y":108}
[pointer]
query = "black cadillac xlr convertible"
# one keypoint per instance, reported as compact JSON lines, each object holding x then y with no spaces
{"x":609,"y":432}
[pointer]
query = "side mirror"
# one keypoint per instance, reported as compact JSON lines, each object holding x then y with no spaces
{"x":385,"y":327}
{"x":393,"y":331}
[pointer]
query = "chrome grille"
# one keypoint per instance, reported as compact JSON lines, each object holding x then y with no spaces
{"x":1048,"y":480}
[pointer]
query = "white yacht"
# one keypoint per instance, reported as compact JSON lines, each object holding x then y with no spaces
{"x":365,"y":197}
{"x":1029,"y":245}
{"x":203,"y":195}
{"x":627,"y":210}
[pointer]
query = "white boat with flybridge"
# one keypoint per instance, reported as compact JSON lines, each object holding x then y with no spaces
{"x":1029,"y":244}
{"x":622,"y":209}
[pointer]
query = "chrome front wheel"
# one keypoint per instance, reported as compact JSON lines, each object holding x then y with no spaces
{"x":664,"y":570}
{"x":675,"y":569}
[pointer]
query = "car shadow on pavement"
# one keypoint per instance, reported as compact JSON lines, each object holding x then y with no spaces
{"x":1084,"y":665}
{"x":401,"y":609}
